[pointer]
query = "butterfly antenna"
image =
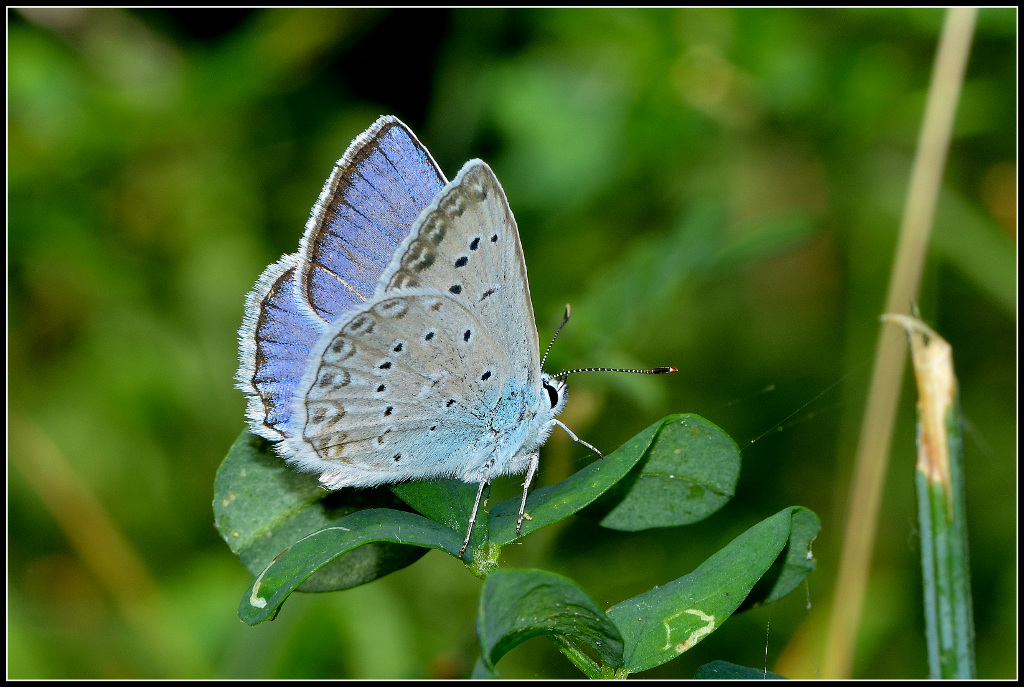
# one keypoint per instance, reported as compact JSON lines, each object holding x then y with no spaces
{"x":654,"y":371}
{"x":558,"y":331}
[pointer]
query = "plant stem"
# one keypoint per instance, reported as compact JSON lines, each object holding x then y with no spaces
{"x":886,"y":379}
{"x":941,"y":500}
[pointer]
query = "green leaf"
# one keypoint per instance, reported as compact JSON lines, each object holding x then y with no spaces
{"x":549,"y":505}
{"x":942,"y":512}
{"x":284,"y":575}
{"x":722,"y":670}
{"x":662,"y":623}
{"x":941,"y":505}
{"x":516,"y":605}
{"x":262,"y":506}
{"x":447,"y":502}
{"x":689,"y":472}
{"x":792,"y":567}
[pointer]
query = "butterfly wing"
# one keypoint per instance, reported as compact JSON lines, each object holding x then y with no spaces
{"x":274,"y":342}
{"x":440,"y":372}
{"x":367,"y":207}
{"x":467,"y":244}
{"x":404,"y":389}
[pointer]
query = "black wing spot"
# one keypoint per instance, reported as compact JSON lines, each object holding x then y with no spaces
{"x":450,"y":403}
{"x":455,"y":288}
{"x":465,"y":337}
{"x":429,"y":336}
{"x":397,"y":457}
{"x":386,"y":365}
{"x":387,"y":411}
{"x":398,"y":347}
{"x":381,"y":388}
{"x":461,"y":262}
{"x":433,"y":427}
{"x":475,"y":243}
{"x":485,"y":376}
{"x":494,"y":239}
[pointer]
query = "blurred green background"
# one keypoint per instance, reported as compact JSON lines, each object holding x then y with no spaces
{"x":717,"y":190}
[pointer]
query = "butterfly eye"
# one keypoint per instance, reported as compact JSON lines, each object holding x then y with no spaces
{"x":552,"y":394}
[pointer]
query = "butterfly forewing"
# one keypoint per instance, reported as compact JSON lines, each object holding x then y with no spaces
{"x":467,"y":244}
{"x":369,"y":203}
{"x":407,"y":382}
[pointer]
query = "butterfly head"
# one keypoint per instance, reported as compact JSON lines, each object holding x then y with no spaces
{"x":556,"y":391}
{"x":554,"y":386}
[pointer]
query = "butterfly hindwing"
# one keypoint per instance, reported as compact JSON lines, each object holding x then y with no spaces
{"x":467,"y":243}
{"x":274,"y":344}
{"x":409,"y":382}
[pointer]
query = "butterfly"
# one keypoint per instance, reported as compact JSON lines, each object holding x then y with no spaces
{"x":400,"y":342}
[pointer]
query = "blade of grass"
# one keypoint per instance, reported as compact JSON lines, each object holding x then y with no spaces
{"x":941,"y":501}
{"x":886,"y":379}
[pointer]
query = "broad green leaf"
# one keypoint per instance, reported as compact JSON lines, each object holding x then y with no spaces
{"x":557,"y":502}
{"x":293,"y":566}
{"x":662,"y":623}
{"x":689,"y":472}
{"x":722,"y":670}
{"x":792,"y":567}
{"x":262,"y":506}
{"x":448,"y":502}
{"x":516,"y":605}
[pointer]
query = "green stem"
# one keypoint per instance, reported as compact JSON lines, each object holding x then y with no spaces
{"x":941,"y":505}
{"x":945,"y":563}
{"x":579,"y":658}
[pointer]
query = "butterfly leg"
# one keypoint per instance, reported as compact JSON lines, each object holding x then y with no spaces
{"x":577,"y":439}
{"x":534,"y":460}
{"x":486,"y":470}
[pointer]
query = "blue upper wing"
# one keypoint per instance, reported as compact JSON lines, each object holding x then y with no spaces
{"x":274,"y":343}
{"x":369,"y":203}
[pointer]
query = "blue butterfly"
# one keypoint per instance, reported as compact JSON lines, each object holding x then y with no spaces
{"x":400,"y":342}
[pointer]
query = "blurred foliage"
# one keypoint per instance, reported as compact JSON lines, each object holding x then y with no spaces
{"x":717,"y":190}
